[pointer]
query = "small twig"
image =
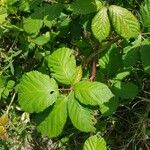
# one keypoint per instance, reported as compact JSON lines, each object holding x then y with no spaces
{"x":147,"y":33}
{"x":93,"y":74}
{"x":12,"y":99}
{"x":67,"y":89}
{"x":106,"y":46}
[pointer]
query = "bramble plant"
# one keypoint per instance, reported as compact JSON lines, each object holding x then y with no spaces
{"x":71,"y":61}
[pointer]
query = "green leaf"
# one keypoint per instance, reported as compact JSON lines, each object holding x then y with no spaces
{"x":131,"y":56}
{"x":37,"y":91}
{"x":120,"y":76}
{"x":32,"y":25}
{"x":81,"y":117}
{"x":53,"y":124}
{"x":41,"y":40}
{"x":145,"y":56}
{"x":95,"y":143}
{"x":24,"y":5}
{"x":85,"y":6}
{"x":125,"y":90}
{"x":78,"y":76}
{"x":101,"y":25}
{"x":92,"y":93}
{"x":111,"y":62}
{"x":145,"y":13}
{"x":110,"y":107}
{"x":124,"y":22}
{"x":63,"y":65}
{"x":3,"y":15}
{"x":8,"y":89}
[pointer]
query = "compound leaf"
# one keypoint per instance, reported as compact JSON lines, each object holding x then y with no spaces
{"x":37,"y":91}
{"x":81,"y":117}
{"x":63,"y":65}
{"x":92,"y":93}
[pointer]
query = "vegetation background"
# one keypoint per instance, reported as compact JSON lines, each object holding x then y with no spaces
{"x":31,"y":30}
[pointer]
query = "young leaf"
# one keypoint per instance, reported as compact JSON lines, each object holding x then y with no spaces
{"x":36,"y":92}
{"x":95,"y":143}
{"x":81,"y":117}
{"x":124,"y":22}
{"x":101,"y":24}
{"x":145,"y":56}
{"x":63,"y":65}
{"x":54,"y":122}
{"x":92,"y":93}
{"x":85,"y":6}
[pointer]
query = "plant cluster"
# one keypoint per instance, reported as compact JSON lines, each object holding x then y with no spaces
{"x":74,"y":63}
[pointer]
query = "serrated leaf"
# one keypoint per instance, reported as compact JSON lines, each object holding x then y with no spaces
{"x":95,"y":143}
{"x":145,"y":57}
{"x":53,"y":124}
{"x":36,"y":92}
{"x":145,"y":13}
{"x":63,"y":65}
{"x":124,"y":22}
{"x":78,"y":76}
{"x":101,"y":25}
{"x":85,"y":6}
{"x":81,"y":117}
{"x":92,"y":93}
{"x":125,"y":90}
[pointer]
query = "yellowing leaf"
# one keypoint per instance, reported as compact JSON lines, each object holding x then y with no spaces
{"x":2,"y":129}
{"x":3,"y":120}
